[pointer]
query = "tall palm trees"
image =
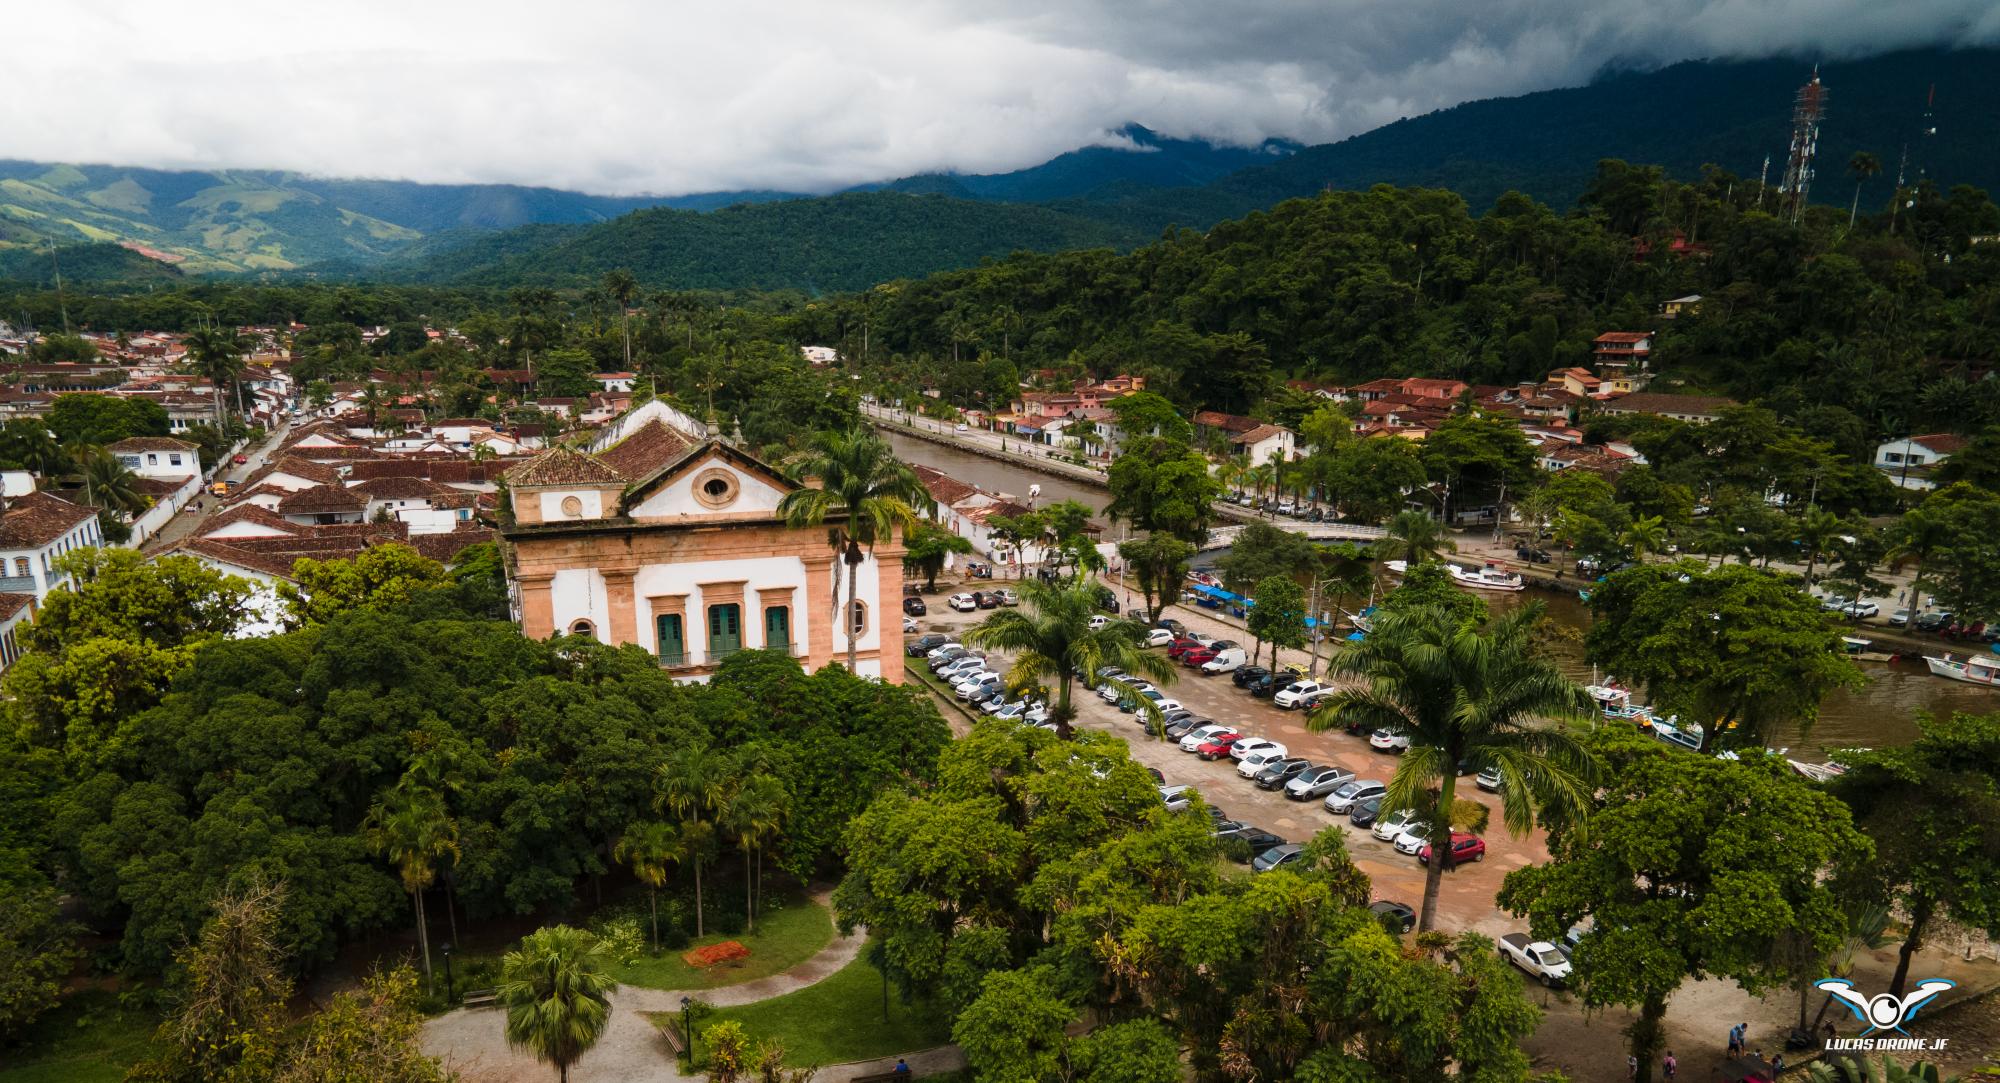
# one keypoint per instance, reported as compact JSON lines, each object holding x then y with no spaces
{"x":410,"y":825}
{"x":1647,"y":534}
{"x":1861,"y":167}
{"x":1466,"y":693}
{"x":1414,"y":536}
{"x":753,"y":814}
{"x":621,"y":287}
{"x":1818,"y":529}
{"x":217,"y":354}
{"x":694,"y":784}
{"x":866,"y":491}
{"x":557,"y":992}
{"x":647,"y":848}
{"x":1051,"y":638}
{"x":108,"y":483}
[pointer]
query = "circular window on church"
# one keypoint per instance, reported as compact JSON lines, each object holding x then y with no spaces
{"x":573,"y":507}
{"x":715,"y":488}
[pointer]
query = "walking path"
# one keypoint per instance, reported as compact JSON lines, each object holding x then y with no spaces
{"x":473,"y":1041}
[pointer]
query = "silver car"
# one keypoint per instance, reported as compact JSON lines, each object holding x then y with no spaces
{"x":1316,"y":781}
{"x":1342,"y":801}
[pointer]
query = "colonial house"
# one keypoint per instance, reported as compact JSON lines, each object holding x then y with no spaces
{"x":967,"y":510}
{"x":36,"y":529}
{"x":1693,"y":409}
{"x":1265,"y":443}
{"x":169,"y":471}
{"x":1622,"y":359}
{"x":1910,"y":460}
{"x":667,"y":536}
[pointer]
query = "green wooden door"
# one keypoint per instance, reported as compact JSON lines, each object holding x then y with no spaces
{"x":725,"y":631}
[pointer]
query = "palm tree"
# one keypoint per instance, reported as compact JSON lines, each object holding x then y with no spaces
{"x":1485,"y":696}
{"x":1647,"y":534}
{"x":648,"y":848}
{"x":1233,"y":471}
{"x":1817,"y":530}
{"x":29,"y":442}
{"x":410,"y":826}
{"x":1051,"y":637}
{"x":868,"y":493}
{"x":557,"y":992}
{"x":1259,"y":478}
{"x":754,"y":814}
{"x":217,"y":354}
{"x":694,"y":784}
{"x":1861,"y":167}
{"x":621,"y":287}
{"x":1917,"y":537}
{"x":1415,"y":537}
{"x":373,"y":399}
{"x":1879,"y":1070}
{"x":108,"y":483}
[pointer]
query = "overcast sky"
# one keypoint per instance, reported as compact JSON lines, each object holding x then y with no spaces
{"x":667,"y":97}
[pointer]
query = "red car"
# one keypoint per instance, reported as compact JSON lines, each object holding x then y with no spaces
{"x":1180,"y":647}
{"x":1199,"y":656}
{"x":1464,"y":848}
{"x":241,"y":460}
{"x":1217,"y":746}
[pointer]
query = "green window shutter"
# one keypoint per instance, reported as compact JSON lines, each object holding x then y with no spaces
{"x":673,"y":642}
{"x":777,"y":628}
{"x":725,"y":631}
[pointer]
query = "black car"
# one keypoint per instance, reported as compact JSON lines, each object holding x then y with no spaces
{"x":1157,"y":776}
{"x":922,"y":645}
{"x":1364,"y":814}
{"x":1171,"y":625}
{"x":1274,"y":776}
{"x":1259,"y":839}
{"x":1245,"y":674}
{"x":1264,"y":686}
{"x":1394,"y":916}
{"x":986,"y":599}
{"x":1532,"y":555}
{"x":915,"y":607}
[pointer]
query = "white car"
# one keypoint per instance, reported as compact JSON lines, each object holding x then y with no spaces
{"x":1255,"y":744}
{"x":960,"y":428}
{"x":1296,"y":693}
{"x":964,"y":603}
{"x":1900,"y":617}
{"x":1007,"y":597}
{"x":1177,"y":797}
{"x":1200,"y":736}
{"x":1159,"y":637}
{"x":1835,"y":602}
{"x":1038,"y":715}
{"x":1858,"y":610}
{"x":1388,"y":740}
{"x":1129,"y":688}
{"x":1388,"y":827}
{"x":909,"y":625}
{"x":1342,"y":801}
{"x":1314,"y":781}
{"x":942,"y":649}
{"x":1099,"y":621}
{"x":1255,"y":762}
{"x":1413,"y":838}
{"x":1013,"y":712}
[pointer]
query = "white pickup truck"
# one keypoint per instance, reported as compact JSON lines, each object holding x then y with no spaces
{"x":1542,"y":960}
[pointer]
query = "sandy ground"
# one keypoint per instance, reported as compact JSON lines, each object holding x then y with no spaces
{"x":1586,"y":1046}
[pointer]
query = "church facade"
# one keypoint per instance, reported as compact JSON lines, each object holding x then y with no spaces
{"x":667,"y":536}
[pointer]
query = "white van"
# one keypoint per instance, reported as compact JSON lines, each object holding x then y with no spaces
{"x":1225,"y":662}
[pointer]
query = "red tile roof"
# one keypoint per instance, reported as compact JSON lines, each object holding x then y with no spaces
{"x":649,"y":447}
{"x":152,"y":443}
{"x":1943,"y":443}
{"x":38,"y":519}
{"x":564,"y":466}
{"x":323,"y":498}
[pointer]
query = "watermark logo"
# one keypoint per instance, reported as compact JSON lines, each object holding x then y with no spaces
{"x":1885,"y":1012}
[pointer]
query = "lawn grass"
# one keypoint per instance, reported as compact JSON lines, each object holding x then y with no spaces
{"x":836,"y":1021}
{"x":786,"y":936}
{"x":88,"y":1039}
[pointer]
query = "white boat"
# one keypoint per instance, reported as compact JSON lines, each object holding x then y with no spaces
{"x":1670,"y":731}
{"x":1609,"y":697}
{"x":1397,"y":567}
{"x":1984,"y":671}
{"x":1818,"y":772}
{"x":1486,"y":578}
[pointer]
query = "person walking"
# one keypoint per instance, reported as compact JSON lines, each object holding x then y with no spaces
{"x":1736,"y":1040}
{"x":1777,"y":1064}
{"x":1632,"y":1067}
{"x":1670,"y":1065}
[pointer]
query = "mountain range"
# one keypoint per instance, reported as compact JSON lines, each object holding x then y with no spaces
{"x":1733,"y":114}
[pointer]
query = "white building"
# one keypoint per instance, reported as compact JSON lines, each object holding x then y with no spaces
{"x":36,"y":529}
{"x":1909,"y":461}
{"x":169,"y":471}
{"x":670,"y":539}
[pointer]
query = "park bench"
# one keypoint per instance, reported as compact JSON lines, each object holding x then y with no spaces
{"x":480,"y":998}
{"x":675,"y":1040}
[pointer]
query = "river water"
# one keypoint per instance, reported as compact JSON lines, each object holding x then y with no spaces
{"x":1878,"y":714}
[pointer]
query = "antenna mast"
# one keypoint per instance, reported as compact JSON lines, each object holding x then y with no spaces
{"x":1807,"y":110}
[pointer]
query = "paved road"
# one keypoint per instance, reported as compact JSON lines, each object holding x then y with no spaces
{"x":206,"y":505}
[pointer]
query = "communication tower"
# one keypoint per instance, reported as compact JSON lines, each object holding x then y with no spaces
{"x":1807,"y":111}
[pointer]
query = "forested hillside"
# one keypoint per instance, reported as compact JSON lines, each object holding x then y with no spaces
{"x":842,"y":242}
{"x":1887,"y":324}
{"x":93,"y":265}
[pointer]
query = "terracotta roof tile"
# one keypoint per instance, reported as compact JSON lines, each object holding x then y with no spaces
{"x":250,"y":513}
{"x":564,"y":466}
{"x":649,"y":447}
{"x":35,"y":520}
{"x":152,"y":443}
{"x":12,"y":603}
{"x":323,"y":498}
{"x":401,"y":488}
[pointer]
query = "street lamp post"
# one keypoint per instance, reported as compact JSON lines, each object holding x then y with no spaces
{"x":687,"y":1028}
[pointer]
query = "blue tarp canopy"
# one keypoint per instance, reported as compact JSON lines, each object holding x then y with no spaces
{"x":1233,"y":598}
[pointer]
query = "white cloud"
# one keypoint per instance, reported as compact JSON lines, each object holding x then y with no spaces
{"x":627,"y":96}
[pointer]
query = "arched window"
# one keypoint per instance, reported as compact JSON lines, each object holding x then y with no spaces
{"x":583,"y":628}
{"x":859,"y":624}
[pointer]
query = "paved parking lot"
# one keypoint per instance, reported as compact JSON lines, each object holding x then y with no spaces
{"x":1467,"y":901}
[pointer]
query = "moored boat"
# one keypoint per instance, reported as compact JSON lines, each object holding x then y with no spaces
{"x":1488,"y":577}
{"x":1984,"y":671}
{"x":1818,"y":772}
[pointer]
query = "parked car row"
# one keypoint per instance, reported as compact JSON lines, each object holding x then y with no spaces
{"x":967,"y":601}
